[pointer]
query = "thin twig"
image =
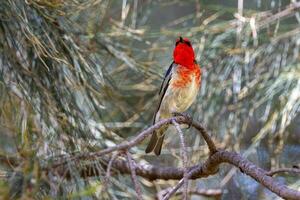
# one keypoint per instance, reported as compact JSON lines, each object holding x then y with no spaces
{"x":132,"y":166}
{"x":289,"y":10}
{"x":174,"y":190}
{"x":180,"y":183}
{"x":184,"y":162}
{"x":204,"y":192}
{"x":283,"y":170}
{"x":196,"y":191}
{"x":108,"y":170}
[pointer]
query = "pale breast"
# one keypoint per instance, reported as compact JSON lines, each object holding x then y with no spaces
{"x":179,"y":99}
{"x":186,"y":95}
{"x":181,"y":93}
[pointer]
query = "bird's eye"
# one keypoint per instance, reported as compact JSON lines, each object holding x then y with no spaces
{"x":188,"y":43}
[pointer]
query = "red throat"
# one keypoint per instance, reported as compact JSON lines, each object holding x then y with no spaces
{"x":184,"y":55}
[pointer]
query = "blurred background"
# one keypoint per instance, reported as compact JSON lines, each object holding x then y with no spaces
{"x":83,"y":75}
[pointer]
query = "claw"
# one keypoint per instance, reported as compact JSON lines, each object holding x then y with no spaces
{"x":185,"y":115}
{"x":190,"y":120}
{"x":176,"y":114}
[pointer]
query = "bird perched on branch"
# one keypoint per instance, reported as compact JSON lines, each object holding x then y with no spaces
{"x":178,"y":90}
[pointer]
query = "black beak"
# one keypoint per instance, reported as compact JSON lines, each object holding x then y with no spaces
{"x":180,"y":39}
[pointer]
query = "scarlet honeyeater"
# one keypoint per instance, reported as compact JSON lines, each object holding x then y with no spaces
{"x":178,"y":90}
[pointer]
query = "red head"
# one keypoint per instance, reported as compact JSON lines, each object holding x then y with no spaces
{"x":183,"y":53}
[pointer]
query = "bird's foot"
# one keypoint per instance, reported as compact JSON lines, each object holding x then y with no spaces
{"x":187,"y":116}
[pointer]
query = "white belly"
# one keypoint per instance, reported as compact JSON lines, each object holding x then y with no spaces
{"x":184,"y":97}
{"x":178,"y":99}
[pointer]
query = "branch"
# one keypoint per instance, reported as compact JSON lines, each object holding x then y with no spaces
{"x":185,"y":161}
{"x":175,"y":189}
{"x":284,"y":170}
{"x":260,"y":175}
{"x":122,"y":146}
{"x":108,"y":169}
{"x":139,"y":138}
{"x":209,"y":167}
{"x":133,"y":176}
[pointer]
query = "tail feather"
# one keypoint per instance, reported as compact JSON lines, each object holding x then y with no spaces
{"x":156,"y":141}
{"x":152,"y":143}
{"x":159,"y":144}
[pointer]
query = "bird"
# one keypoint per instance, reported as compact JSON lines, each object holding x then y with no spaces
{"x":178,"y":90}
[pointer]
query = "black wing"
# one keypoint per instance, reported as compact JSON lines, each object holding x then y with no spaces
{"x":166,"y":76}
{"x":164,"y":87}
